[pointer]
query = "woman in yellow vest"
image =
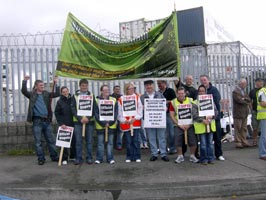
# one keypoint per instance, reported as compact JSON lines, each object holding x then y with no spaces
{"x":130,"y":124}
{"x":204,"y":127}
{"x":105,"y":108}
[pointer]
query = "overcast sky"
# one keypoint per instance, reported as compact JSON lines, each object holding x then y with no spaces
{"x":244,"y":19}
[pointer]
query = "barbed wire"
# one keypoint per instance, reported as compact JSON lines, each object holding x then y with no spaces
{"x":54,"y":40}
{"x":44,"y":40}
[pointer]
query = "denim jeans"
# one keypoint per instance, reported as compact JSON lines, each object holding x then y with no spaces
{"x":170,"y":134}
{"x":142,"y":134}
{"x":89,"y":141}
{"x":262,"y":140}
{"x":119,"y":136}
{"x":133,"y":145}
{"x":206,"y":147}
{"x":44,"y":127}
{"x":157,"y":135}
{"x":101,"y":143}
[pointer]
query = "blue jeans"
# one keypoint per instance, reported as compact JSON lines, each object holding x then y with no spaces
{"x":154,"y":135}
{"x":44,"y":127}
{"x":89,"y":141}
{"x":101,"y":142}
{"x":133,"y":145}
{"x":142,"y":134}
{"x":262,"y":140}
{"x":119,"y":136}
{"x":206,"y":147}
{"x":170,"y":134}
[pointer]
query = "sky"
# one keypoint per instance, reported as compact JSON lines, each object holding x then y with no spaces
{"x":244,"y":19}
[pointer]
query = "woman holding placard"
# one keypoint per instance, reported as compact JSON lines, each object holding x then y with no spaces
{"x":204,"y":113}
{"x":64,"y":118}
{"x":130,"y":112}
{"x":105,"y":110}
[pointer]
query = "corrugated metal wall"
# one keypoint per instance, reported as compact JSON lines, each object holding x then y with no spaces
{"x":225,"y":63}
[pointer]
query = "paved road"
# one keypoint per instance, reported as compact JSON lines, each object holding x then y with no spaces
{"x":241,"y":176}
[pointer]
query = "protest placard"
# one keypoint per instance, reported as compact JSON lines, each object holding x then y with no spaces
{"x":206,"y":106}
{"x":106,"y":110}
{"x":129,"y":105}
{"x":85,"y":104}
{"x":155,"y":113}
{"x":185,"y":114}
{"x":64,"y":136}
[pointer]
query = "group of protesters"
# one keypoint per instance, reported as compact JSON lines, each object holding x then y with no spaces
{"x":114,"y":116}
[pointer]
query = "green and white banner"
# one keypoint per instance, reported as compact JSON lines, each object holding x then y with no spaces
{"x":86,"y":54}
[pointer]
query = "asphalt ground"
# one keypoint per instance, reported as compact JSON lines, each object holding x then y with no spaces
{"x":241,"y":176}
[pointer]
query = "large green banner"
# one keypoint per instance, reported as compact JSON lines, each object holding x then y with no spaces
{"x":86,"y":54}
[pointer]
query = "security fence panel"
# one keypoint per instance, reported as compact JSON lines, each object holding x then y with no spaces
{"x":224,"y":63}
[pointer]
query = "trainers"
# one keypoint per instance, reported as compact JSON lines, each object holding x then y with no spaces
{"x":221,"y":158}
{"x":97,"y":162}
{"x":179,"y":159}
{"x":193,"y":159}
{"x":64,"y":162}
{"x":128,"y":161}
{"x":112,"y":162}
{"x":138,"y":160}
{"x":141,"y":146}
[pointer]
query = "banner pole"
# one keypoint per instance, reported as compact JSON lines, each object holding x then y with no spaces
{"x":131,"y":128}
{"x":60,"y":156}
{"x":185,"y":133}
{"x":83,"y":130}
{"x":106,"y":134}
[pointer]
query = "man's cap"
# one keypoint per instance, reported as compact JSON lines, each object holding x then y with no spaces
{"x":148,"y":82}
{"x":259,"y":79}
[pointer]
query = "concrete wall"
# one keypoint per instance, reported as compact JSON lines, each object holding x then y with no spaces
{"x":17,"y":136}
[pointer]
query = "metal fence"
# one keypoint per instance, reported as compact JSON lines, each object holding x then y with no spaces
{"x":225,"y":63}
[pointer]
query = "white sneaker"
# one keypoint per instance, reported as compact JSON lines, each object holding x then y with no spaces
{"x":64,"y":162}
{"x":193,"y":159}
{"x":112,"y":162}
{"x":138,"y":160}
{"x":97,"y":162}
{"x":179,"y":159}
{"x":128,"y":161}
{"x":221,"y":158}
{"x":141,"y":146}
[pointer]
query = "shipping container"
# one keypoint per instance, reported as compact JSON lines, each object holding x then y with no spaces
{"x":195,"y":27}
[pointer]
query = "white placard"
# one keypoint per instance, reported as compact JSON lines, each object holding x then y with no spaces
{"x":85,"y":103}
{"x":155,"y":113}
{"x":129,"y":105}
{"x":106,"y":110}
{"x":64,"y":136}
{"x":206,"y":106}
{"x":185,"y":114}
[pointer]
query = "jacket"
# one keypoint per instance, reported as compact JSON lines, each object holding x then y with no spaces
{"x":32,"y":96}
{"x":74,"y":108}
{"x":63,"y":111}
{"x":240,"y":104}
{"x":216,"y":98}
{"x":97,"y":113}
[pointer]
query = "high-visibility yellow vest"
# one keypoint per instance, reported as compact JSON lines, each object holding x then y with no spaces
{"x":97,"y":125}
{"x":201,"y":128}
{"x":261,"y":111}
{"x":74,"y":118}
{"x":175,"y":104}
